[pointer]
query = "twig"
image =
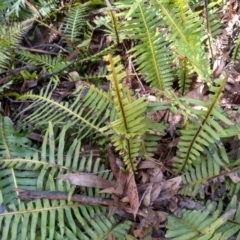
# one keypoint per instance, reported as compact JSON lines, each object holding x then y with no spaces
{"x":30,"y":195}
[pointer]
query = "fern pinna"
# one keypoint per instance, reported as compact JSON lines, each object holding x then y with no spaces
{"x":202,"y":135}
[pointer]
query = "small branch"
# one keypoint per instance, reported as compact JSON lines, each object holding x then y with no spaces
{"x":31,"y":195}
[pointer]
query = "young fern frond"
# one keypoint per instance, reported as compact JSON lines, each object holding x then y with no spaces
{"x":203,"y":135}
{"x":186,"y":34}
{"x":152,"y":55}
{"x":130,"y":125}
{"x":205,"y":225}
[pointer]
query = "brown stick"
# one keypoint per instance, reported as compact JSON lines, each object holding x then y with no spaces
{"x":30,"y":195}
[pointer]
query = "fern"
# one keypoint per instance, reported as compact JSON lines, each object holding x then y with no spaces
{"x":207,"y":224}
{"x":74,"y":23}
{"x":63,"y":216}
{"x":197,"y":176}
{"x":46,"y":109}
{"x":45,"y":8}
{"x":11,"y":142}
{"x":186,"y":34}
{"x":236,"y":51}
{"x":204,"y":132}
{"x":10,"y":38}
{"x":152,"y":55}
{"x":50,"y":63}
{"x":31,"y":221}
{"x":213,"y":24}
{"x":184,"y":75}
{"x":129,"y":125}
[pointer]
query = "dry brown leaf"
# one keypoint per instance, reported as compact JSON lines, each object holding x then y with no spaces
{"x":156,"y":175}
{"x":111,"y":237}
{"x":132,"y":194}
{"x":144,"y":177}
{"x":173,"y":121}
{"x":32,"y":7}
{"x":87,"y":180}
{"x":112,"y":162}
{"x":156,"y":190}
{"x":174,"y":142}
{"x":147,"y":164}
{"x":234,"y":177}
{"x":146,"y":198}
{"x":170,"y":188}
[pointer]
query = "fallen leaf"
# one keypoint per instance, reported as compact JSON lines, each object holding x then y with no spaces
{"x":147,"y":164}
{"x":87,"y":180}
{"x":132,"y":194}
{"x":170,"y":188}
{"x":234,"y":177}
{"x":112,"y":162}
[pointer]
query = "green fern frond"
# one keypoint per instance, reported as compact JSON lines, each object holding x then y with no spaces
{"x":66,"y":220}
{"x":204,"y":225}
{"x":50,"y":63}
{"x":98,"y":100}
{"x":130,"y":125}
{"x":205,"y":132}
{"x":16,"y":7}
{"x":186,"y":34}
{"x":194,"y":178}
{"x":184,"y":76}
{"x":236,"y":51}
{"x":74,"y":23}
{"x":29,"y":221}
{"x":12,"y":144}
{"x":45,"y":8}
{"x":214,"y":25}
{"x":11,"y":36}
{"x":152,"y":55}
{"x":46,"y":109}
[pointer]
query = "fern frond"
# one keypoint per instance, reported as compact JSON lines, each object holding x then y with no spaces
{"x":186,"y":34}
{"x":196,"y":176}
{"x":184,"y":76}
{"x":67,"y":220}
{"x":130,"y":124}
{"x":98,"y":100}
{"x":152,"y":56}
{"x":16,"y":7}
{"x":45,"y":8}
{"x":29,"y":221}
{"x":204,"y":225}
{"x":236,"y":51}
{"x":205,"y":133}
{"x":214,"y":25}
{"x":46,"y":109}
{"x":11,"y":36}
{"x":12,"y":144}
{"x":74,"y":23}
{"x":50,"y":63}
